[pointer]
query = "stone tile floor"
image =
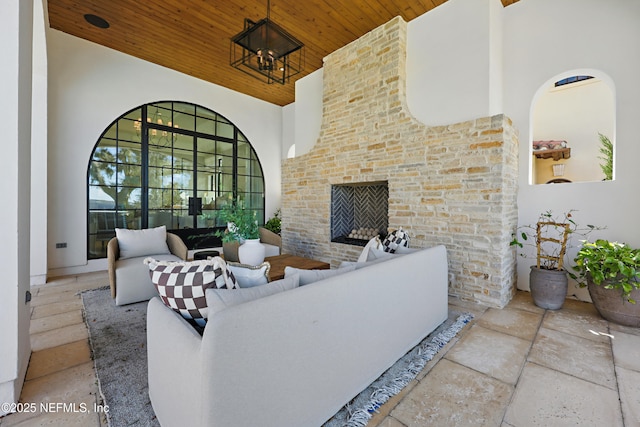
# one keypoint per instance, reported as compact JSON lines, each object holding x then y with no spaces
{"x":519,"y":366}
{"x":60,"y":369}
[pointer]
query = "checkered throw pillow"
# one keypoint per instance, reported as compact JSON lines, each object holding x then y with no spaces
{"x":395,"y":239}
{"x":182,"y":284}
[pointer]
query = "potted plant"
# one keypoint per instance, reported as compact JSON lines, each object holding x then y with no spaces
{"x":242,"y":223}
{"x":611,"y":271}
{"x":242,"y":235}
{"x":551,"y":236}
{"x":274,"y":224}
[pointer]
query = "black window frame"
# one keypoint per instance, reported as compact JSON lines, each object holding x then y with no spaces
{"x":148,"y":125}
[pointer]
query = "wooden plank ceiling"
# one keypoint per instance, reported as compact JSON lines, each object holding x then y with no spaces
{"x":193,"y":36}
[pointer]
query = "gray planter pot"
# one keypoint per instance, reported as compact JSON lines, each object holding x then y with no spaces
{"x":548,"y":287}
{"x":613,"y":307}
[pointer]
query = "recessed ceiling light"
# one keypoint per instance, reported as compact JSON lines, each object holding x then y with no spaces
{"x":96,"y":21}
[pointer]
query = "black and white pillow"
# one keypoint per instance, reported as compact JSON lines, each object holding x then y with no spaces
{"x":395,"y":239}
{"x":182,"y":284}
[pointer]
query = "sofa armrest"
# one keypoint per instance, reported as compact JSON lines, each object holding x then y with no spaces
{"x":174,"y":367}
{"x":230,"y":250}
{"x":177,"y":246}
{"x":113,"y":253}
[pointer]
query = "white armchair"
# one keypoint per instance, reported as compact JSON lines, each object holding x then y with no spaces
{"x":128,"y":276}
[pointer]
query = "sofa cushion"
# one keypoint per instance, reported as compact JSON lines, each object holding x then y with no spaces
{"x":181,"y":285}
{"x":403,"y":250}
{"x":219,"y":299}
{"x":310,"y":276}
{"x":249,"y":276}
{"x":133,"y":283}
{"x":377,"y":255}
{"x":361,"y":264}
{"x":374,"y":255}
{"x":395,"y":239}
{"x":140,"y":243}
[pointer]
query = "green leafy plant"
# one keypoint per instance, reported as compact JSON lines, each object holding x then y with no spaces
{"x":610,"y":264}
{"x":274,"y":224}
{"x":550,"y":236}
{"x":242,"y":223}
{"x":607,"y":157}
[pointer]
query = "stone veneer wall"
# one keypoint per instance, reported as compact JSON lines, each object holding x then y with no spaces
{"x":453,"y":185}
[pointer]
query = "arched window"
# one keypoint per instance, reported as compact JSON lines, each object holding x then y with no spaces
{"x":169,"y":163}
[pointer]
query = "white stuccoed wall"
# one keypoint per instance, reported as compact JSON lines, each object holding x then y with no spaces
{"x":544,"y":38}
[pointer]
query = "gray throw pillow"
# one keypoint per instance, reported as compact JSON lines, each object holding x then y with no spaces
{"x":146,"y":242}
{"x":220,"y":299}
{"x":249,"y":276}
{"x":309,"y":276}
{"x":374,"y":243}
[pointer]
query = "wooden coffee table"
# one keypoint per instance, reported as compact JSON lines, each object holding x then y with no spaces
{"x":279,"y":262}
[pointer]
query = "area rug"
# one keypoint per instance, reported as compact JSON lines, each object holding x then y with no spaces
{"x":359,"y":411}
{"x":118,"y":342}
{"x":118,"y":338}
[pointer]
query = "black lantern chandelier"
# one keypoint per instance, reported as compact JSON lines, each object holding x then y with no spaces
{"x":264,"y":50}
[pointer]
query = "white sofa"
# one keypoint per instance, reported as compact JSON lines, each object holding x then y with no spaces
{"x":296,"y":357}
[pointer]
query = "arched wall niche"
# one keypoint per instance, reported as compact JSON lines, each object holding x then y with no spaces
{"x":566,"y":122}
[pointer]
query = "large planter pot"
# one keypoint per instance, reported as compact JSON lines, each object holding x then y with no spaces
{"x":612,"y":306}
{"x":548,"y":287}
{"x":251,"y":252}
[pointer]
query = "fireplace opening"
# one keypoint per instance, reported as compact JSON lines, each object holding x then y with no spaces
{"x":359,"y":212}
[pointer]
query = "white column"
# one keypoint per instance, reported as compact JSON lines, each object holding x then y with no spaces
{"x":15,"y":183}
{"x":39,"y":152}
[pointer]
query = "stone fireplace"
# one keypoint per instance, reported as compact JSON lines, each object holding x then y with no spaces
{"x":453,"y":185}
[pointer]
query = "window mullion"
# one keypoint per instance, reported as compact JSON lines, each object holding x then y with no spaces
{"x":235,"y":165}
{"x":144,"y":173}
{"x":194,"y":171}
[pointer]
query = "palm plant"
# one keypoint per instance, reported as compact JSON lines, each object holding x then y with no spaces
{"x":607,"y":156}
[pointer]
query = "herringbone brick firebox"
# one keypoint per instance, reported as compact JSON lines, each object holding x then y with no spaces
{"x":359,"y":206}
{"x":453,"y":185}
